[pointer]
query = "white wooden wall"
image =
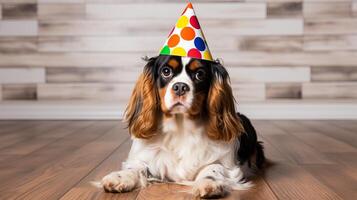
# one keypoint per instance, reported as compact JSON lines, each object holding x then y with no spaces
{"x":62,"y":52}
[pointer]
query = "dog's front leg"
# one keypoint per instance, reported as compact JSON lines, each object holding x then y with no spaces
{"x":124,"y":181}
{"x":209,"y":182}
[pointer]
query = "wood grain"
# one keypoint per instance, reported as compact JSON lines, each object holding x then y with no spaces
{"x":299,"y":185}
{"x":61,"y":11}
{"x":327,"y":10}
{"x":18,"y":44}
{"x":19,"y":11}
{"x":108,"y":92}
{"x":269,"y":74}
{"x":283,"y":91}
{"x":19,"y":92}
{"x":60,"y":163}
{"x":204,"y":11}
{"x":330,"y":26}
{"x":284,"y":9}
{"x":60,"y":1}
{"x":92,"y":75}
{"x":253,"y":91}
{"x":331,"y":90}
{"x":94,"y":152}
{"x":334,"y":73}
{"x":271,"y":43}
{"x":330,"y":42}
{"x":161,"y":27}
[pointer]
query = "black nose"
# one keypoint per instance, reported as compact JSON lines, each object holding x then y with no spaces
{"x":180,"y":88}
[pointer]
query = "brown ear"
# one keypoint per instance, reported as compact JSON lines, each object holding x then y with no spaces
{"x":142,"y":112}
{"x":223,"y":121}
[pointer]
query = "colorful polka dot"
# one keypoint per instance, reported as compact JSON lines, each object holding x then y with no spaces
{"x":194,"y":53}
{"x":182,"y":22}
{"x":207,"y":55}
{"x":179,"y":51}
{"x":165,"y":50}
{"x":200,"y":44}
{"x":186,"y":38}
{"x":187,"y":33}
{"x":194,"y":22}
{"x":173,"y":40}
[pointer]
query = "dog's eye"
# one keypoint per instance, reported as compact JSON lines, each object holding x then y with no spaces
{"x":200,"y":75}
{"x":166,"y":72}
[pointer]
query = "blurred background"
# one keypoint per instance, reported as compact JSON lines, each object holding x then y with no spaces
{"x":80,"y":58}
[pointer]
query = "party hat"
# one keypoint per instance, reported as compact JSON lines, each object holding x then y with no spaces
{"x":186,"y":39}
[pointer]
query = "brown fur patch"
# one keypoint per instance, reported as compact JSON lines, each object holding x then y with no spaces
{"x":223,"y":122}
{"x":142,"y":113}
{"x":194,"y":65}
{"x":173,"y":63}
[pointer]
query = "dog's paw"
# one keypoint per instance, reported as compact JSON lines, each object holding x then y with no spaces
{"x":120,"y":181}
{"x":207,"y":188}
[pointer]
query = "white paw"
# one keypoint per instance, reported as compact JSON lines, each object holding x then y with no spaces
{"x":207,"y":188}
{"x":120,"y":181}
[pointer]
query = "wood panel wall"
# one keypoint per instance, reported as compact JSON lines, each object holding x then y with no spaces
{"x":90,"y":49}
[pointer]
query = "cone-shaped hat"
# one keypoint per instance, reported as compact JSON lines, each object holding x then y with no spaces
{"x":186,"y":38}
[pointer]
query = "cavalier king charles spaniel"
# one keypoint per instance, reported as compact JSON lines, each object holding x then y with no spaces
{"x":185,"y":129}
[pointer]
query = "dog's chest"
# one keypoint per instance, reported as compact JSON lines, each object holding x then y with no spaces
{"x":183,"y":150}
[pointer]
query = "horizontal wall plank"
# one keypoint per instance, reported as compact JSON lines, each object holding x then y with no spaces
{"x":73,"y":59}
{"x":61,"y":11}
{"x":330,"y":42}
{"x":172,"y":10}
{"x":99,"y":92}
{"x":100,"y":44}
{"x":19,"y":92}
{"x":18,"y":28}
{"x":330,"y":26}
{"x":19,"y":11}
{"x":338,"y":58}
{"x":150,"y":43}
{"x":22,"y":75}
{"x":270,"y":43}
{"x":284,"y":9}
{"x":92,"y":75}
{"x":269,"y":74}
{"x":327,"y":10}
{"x":249,"y":91}
{"x":61,"y":1}
{"x":283,"y":91}
{"x":331,"y":90}
{"x":18,"y":44}
{"x":328,"y":74}
{"x":18,"y":1}
{"x":161,"y":28}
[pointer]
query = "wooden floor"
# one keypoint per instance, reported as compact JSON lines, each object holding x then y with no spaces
{"x":58,"y":159}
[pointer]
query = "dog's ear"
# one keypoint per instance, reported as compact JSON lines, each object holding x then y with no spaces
{"x":142,"y":112}
{"x":223,"y":121}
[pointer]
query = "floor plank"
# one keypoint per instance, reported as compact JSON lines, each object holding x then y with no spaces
{"x":59,"y":159}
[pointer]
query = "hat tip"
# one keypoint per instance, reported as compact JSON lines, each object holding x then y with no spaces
{"x":189,"y":4}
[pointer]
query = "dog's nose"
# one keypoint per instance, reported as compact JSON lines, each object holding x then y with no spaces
{"x":180,"y":88}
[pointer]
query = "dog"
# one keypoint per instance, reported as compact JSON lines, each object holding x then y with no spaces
{"x":185,"y":129}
